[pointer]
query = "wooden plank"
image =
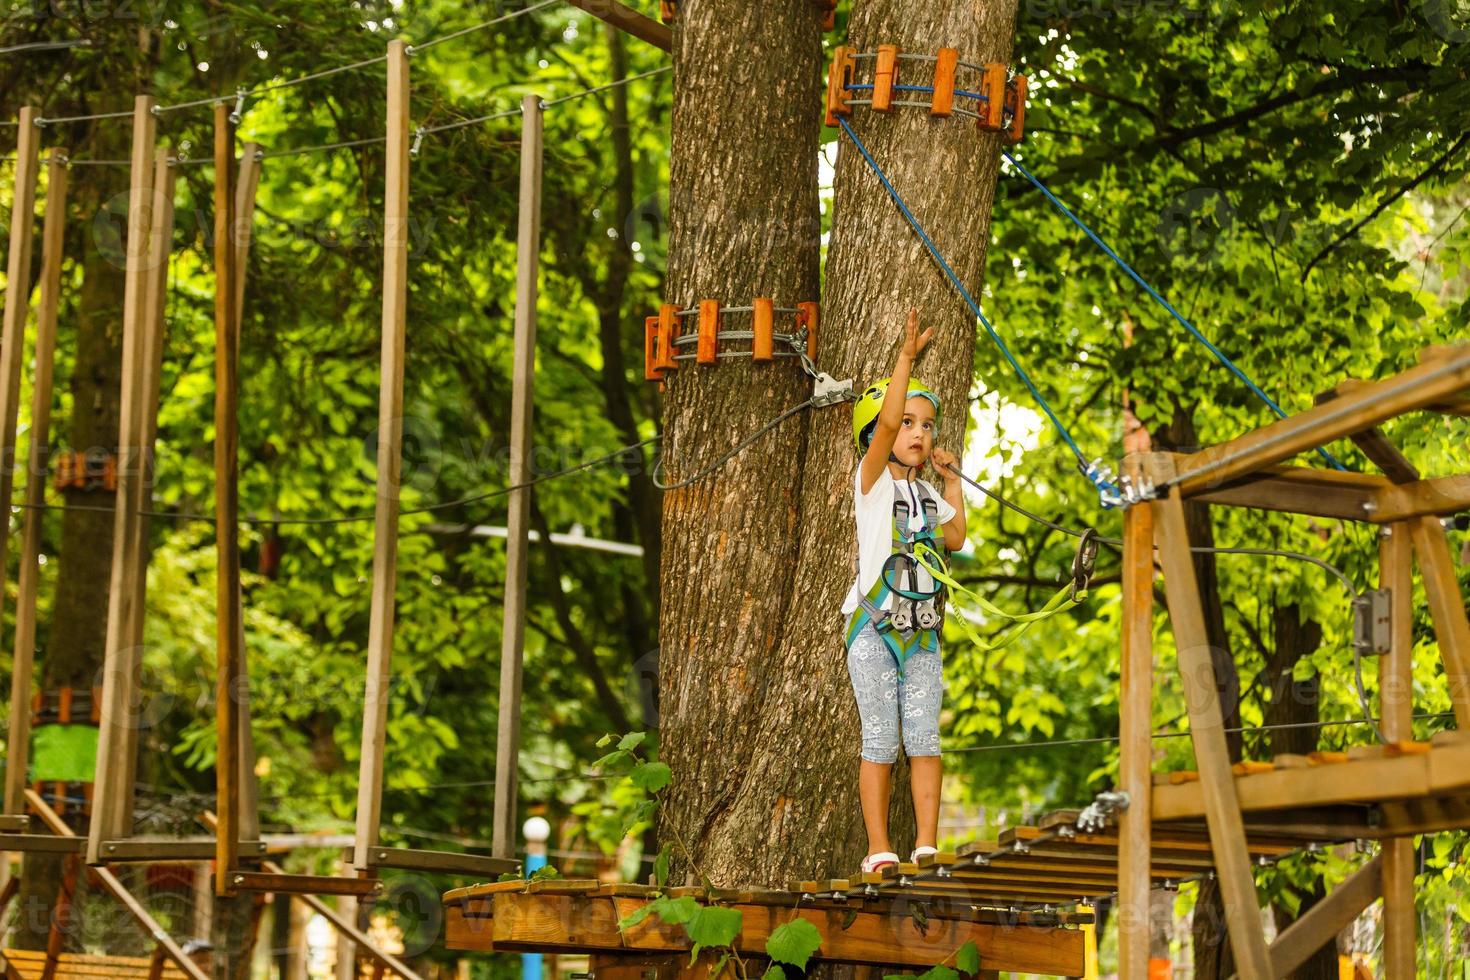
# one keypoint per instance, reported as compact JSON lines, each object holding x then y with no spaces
{"x":231,"y":666}
{"x":1442,"y":497}
{"x":1361,"y":781}
{"x":1429,"y":815}
{"x":1455,"y":405}
{"x":1321,"y":924}
{"x":112,"y":801}
{"x":42,"y":844}
{"x":442,"y":862}
{"x":1447,"y":608}
{"x":518,"y":516}
{"x":15,"y":823}
{"x":1364,"y":408}
{"x":557,"y":923}
{"x":1449,"y":768}
{"x":18,"y":739}
{"x":1301,"y":490}
{"x":293,"y":884}
{"x":1135,"y":709}
{"x":247,"y":182}
{"x":389,"y":456}
{"x":145,"y":850}
{"x":1373,"y":443}
{"x":1207,"y":728}
{"x":629,"y":21}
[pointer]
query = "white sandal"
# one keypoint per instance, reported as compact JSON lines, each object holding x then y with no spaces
{"x":920,"y":852}
{"x":876,"y":862}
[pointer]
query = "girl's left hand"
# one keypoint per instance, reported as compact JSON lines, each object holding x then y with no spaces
{"x":943,"y":459}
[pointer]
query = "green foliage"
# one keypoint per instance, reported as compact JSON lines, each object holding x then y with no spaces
{"x":794,"y":942}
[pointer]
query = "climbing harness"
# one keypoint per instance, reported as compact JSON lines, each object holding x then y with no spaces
{"x":913,"y":622}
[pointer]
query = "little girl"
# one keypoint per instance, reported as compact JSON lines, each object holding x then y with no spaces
{"x":894,"y":608}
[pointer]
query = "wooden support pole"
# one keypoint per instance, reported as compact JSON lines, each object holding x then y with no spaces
{"x":155,"y":304}
{"x":246,"y":185}
{"x":228,"y":626}
{"x":1207,"y":732}
{"x":629,"y":21}
{"x":17,"y":741}
{"x":112,"y":802}
{"x":1319,"y":925}
{"x":1135,"y":742}
{"x":390,"y":457}
{"x":1350,"y":413}
{"x":1396,"y":705}
{"x":518,"y":519}
{"x":1447,"y":608}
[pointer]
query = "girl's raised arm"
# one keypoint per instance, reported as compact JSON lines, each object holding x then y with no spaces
{"x":890,"y":417}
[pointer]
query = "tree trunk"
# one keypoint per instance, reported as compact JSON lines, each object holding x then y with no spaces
{"x":759,"y":722}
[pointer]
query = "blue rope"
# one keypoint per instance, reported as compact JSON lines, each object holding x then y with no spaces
{"x":1104,"y":487}
{"x":1219,"y":354}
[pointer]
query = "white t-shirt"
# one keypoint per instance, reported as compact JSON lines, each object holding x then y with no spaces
{"x":874,"y":511}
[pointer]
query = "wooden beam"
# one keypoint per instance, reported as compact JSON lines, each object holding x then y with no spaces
{"x":112,"y":800}
{"x":1135,"y":710}
{"x":1450,"y":406}
{"x":1447,"y":608}
{"x":1302,"y":490}
{"x":155,"y":303}
{"x":18,"y":739}
{"x":246,"y":184}
{"x":110,"y":881}
{"x":295,"y":884}
{"x":389,"y":457}
{"x":443,"y":862}
{"x":1396,"y":706}
{"x":1207,"y":732}
{"x":228,"y":626}
{"x":557,"y":923}
{"x":1321,"y":924}
{"x":1372,"y":442}
{"x":1375,"y":402}
{"x":629,"y":21}
{"x":518,"y":516}
{"x":1442,"y":497}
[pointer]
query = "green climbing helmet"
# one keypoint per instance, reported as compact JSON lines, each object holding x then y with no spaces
{"x":865,"y":412}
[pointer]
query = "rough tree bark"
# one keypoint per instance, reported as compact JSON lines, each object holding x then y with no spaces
{"x":759,"y":722}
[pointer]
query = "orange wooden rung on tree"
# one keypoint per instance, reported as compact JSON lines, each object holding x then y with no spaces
{"x":809,"y":315}
{"x":667,"y":10}
{"x":884,"y":77}
{"x":828,"y":10}
{"x":944,"y":68}
{"x":763,"y":343}
{"x":993,"y":87}
{"x":708,"y":350}
{"x":839,"y":76}
{"x":650,"y":349}
{"x":668,"y":332}
{"x":1015,"y":104}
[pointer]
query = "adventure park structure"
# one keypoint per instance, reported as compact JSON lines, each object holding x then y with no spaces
{"x":1023,"y":899}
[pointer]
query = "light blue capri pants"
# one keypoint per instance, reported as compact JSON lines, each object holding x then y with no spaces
{"x":885,"y":701}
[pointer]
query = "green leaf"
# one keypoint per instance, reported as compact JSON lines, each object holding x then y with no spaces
{"x":848,"y":918}
{"x":921,"y":919}
{"x":773,"y":972}
{"x":661,"y":864}
{"x":636,"y":916}
{"x":605,"y":741}
{"x":650,"y":776}
{"x":714,"y":925}
{"x":939,"y":973}
{"x":714,"y":973}
{"x":675,"y":911}
{"x":794,"y":943}
{"x":967,"y":958}
{"x":631,"y":741}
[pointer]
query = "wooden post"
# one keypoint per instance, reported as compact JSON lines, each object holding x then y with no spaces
{"x":1447,"y":609}
{"x":226,"y":508}
{"x":155,"y":303}
{"x":247,"y":182}
{"x":513,"y":632}
{"x":1207,"y":732}
{"x":1396,"y":705}
{"x":390,"y":457}
{"x":17,"y":742}
{"x":112,"y":802}
{"x":1135,"y":710}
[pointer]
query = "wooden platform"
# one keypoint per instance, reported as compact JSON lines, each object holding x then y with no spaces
{"x":582,"y":916}
{"x":29,"y":964}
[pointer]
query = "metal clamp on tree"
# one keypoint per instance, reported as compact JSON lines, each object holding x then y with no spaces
{"x":96,"y":469}
{"x":998,"y":97}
